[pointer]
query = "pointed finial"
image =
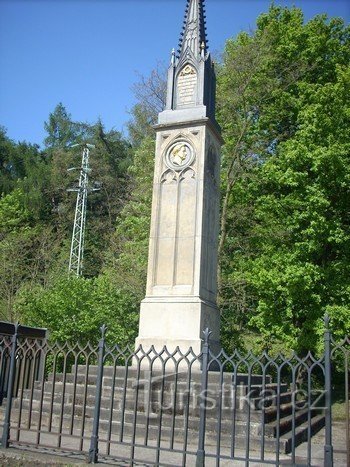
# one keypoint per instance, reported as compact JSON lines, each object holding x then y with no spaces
{"x":326,"y":321}
{"x":206,"y":334}
{"x":103,"y":330}
{"x":202,"y":49}
{"x":173,"y":57}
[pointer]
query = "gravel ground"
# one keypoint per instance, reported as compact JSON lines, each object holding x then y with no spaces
{"x":15,"y":457}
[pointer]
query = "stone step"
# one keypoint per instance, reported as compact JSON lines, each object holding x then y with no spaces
{"x":142,"y":430}
{"x":286,"y":423}
{"x":256,"y":420}
{"x":266,"y":415}
{"x":144,"y":419}
{"x":76,"y":394}
{"x":256,"y":393}
{"x":166,"y":384}
{"x":270,"y":443}
{"x":213,"y":376}
{"x":260,"y":402}
{"x":255,"y":400}
{"x":302,"y":432}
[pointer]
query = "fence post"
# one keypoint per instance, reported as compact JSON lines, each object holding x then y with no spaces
{"x":200,"y":457}
{"x":11,"y":381}
{"x":93,"y":451}
{"x":328,"y":448}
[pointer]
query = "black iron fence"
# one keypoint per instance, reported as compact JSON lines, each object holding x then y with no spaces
{"x":166,"y":407}
{"x":7,"y":330}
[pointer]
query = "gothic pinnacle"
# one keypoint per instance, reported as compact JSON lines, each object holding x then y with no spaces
{"x":173,"y":57}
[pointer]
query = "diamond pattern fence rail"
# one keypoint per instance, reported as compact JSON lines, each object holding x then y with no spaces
{"x":166,"y":407}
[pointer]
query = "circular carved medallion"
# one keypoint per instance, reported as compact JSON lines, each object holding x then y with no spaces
{"x":179,"y":155}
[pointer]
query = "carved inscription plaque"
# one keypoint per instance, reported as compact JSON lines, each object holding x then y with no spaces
{"x":186,"y":86}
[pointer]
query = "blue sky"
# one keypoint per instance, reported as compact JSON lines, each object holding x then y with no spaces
{"x":87,"y":53}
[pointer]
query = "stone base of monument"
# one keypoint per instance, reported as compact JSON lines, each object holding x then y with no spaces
{"x":174,"y":326}
{"x":166,"y":407}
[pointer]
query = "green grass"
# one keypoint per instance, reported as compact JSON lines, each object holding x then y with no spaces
{"x":338,"y":410}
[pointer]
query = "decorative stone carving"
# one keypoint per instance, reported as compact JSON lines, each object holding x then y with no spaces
{"x":188,"y":70}
{"x":168,"y":176}
{"x":187,"y":174}
{"x":179,"y":155}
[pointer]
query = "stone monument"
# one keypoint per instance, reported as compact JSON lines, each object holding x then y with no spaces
{"x":181,"y":290}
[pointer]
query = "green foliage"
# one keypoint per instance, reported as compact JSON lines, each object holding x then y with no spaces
{"x":74,"y":309}
{"x":13,"y":213}
{"x":128,"y":255}
{"x":20,"y":249}
{"x":37,"y":213}
{"x":109,"y":161}
{"x":18,"y":163}
{"x":284,"y":107}
{"x":61,"y":131}
{"x":141,"y":124}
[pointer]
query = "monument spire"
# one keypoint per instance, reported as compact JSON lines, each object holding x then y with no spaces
{"x":180,"y":299}
{"x":193,"y":36}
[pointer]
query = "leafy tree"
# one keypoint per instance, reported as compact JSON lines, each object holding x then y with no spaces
{"x":109,"y":161}
{"x":7,"y":154}
{"x":61,"y":131}
{"x":23,"y":251}
{"x":304,"y":192}
{"x":73,"y":309}
{"x":272,"y":91}
{"x":129,"y":249}
{"x":17,"y":161}
{"x":13,"y":213}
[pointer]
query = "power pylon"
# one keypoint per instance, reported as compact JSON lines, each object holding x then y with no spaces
{"x":82,"y":190}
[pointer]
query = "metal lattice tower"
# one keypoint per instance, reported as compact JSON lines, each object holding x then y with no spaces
{"x":77,"y":245}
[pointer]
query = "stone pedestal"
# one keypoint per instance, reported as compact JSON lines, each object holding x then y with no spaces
{"x":175,"y":322}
